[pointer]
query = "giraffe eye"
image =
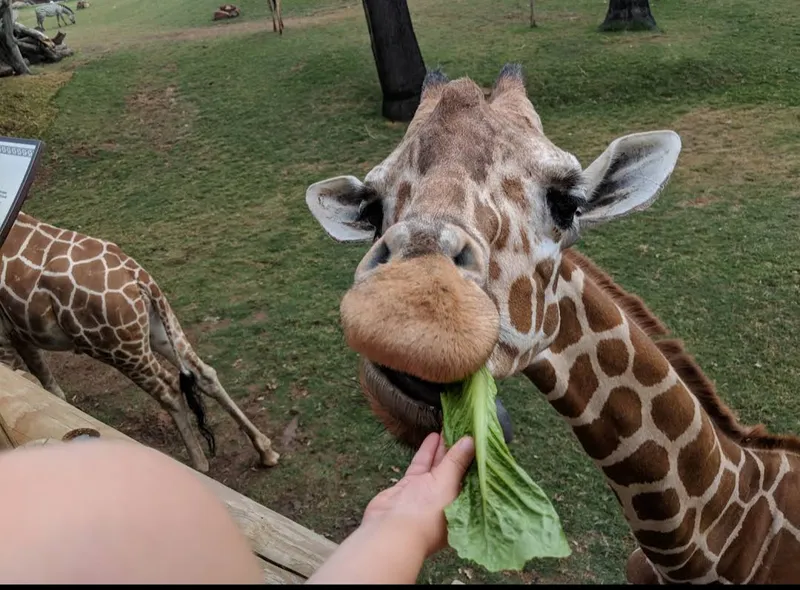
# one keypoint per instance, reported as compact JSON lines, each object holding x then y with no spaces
{"x":563,"y":207}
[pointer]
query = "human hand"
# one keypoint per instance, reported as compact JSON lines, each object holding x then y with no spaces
{"x":417,"y":502}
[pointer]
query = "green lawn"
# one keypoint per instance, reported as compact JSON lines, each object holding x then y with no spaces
{"x":194,"y":155}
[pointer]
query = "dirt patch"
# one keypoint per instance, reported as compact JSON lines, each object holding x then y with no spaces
{"x":256,"y":26}
{"x":159,"y":114}
{"x":103,"y":392}
{"x":741,"y":146}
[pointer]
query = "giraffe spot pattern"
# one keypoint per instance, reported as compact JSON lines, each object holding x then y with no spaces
{"x":503,"y":233}
{"x":671,"y":413}
{"x":786,"y":496}
{"x":772,"y":465}
{"x":721,"y":498}
{"x":92,"y":275}
{"x":18,"y":276}
{"x":749,"y":478}
{"x":649,"y":365}
{"x":739,"y":558}
{"x":542,"y":375}
{"x":600,"y":317}
{"x":581,"y":385}
{"x":565,"y":271}
{"x":612,"y":356}
{"x":570,"y":330}
{"x":722,"y":529}
{"x":519,"y":304}
{"x":515,"y":192}
{"x":403,"y":196}
{"x":620,"y":417}
{"x":657,"y":505}
{"x":494,"y":269}
{"x":526,"y":243}
{"x":677,"y":537}
{"x":781,"y":557}
{"x":487,"y":222}
{"x":670,"y":559}
{"x":87,"y":249}
{"x":647,"y":464}
{"x":697,"y":566}
{"x":699,"y":460}
{"x":550,"y":320}
{"x":731,"y":450}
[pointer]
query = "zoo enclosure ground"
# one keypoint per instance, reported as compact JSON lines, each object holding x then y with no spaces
{"x":191,"y":143}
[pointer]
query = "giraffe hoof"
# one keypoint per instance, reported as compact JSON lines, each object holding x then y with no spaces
{"x":269,"y":458}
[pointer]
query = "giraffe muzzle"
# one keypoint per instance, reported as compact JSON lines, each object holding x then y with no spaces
{"x":420,"y":316}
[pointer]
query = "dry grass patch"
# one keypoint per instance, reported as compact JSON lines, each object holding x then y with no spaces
{"x":160,"y":115}
{"x":740,"y":145}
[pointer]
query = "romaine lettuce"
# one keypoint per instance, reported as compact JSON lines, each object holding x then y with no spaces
{"x":501,"y":519}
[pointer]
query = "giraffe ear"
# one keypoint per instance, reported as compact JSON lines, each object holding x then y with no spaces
{"x":337,"y":204}
{"x":629,"y":175}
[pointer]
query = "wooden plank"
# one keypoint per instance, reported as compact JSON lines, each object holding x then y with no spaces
{"x":31,"y":413}
{"x":275,"y":575}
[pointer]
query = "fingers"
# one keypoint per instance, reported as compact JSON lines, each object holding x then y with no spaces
{"x":441,"y":451}
{"x":456,"y":462}
{"x":423,"y":459}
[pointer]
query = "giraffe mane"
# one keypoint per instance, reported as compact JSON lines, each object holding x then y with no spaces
{"x":684,"y":364}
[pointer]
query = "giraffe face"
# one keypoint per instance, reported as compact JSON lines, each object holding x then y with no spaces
{"x":468,"y":216}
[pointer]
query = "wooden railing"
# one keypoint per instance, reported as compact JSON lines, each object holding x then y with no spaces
{"x":289,"y":553}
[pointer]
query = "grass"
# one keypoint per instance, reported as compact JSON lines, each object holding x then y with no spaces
{"x":194,"y":156}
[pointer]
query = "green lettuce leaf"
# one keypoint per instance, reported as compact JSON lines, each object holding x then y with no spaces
{"x":501,"y":519}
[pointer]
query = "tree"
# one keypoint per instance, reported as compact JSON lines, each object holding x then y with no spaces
{"x":629,"y":15}
{"x":9,"y":51}
{"x":401,"y":69}
{"x":533,"y":17}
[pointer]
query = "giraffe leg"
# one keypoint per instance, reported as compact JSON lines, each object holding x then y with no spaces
{"x":153,"y":378}
{"x":209,"y":384}
{"x":37,"y":364}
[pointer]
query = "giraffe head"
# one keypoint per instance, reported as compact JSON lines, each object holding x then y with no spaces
{"x":468,"y":216}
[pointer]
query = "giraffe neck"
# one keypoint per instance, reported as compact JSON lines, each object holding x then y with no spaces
{"x":671,"y":470}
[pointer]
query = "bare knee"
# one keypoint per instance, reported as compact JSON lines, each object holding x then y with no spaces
{"x":114,"y":512}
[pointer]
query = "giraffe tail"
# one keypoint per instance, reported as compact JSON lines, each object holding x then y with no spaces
{"x":187,"y":376}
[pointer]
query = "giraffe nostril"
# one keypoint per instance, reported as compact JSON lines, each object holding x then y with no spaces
{"x":466,"y":258}
{"x":381,"y":255}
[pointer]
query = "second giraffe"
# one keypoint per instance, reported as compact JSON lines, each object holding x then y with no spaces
{"x":64,"y":291}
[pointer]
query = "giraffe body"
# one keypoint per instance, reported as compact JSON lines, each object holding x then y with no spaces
{"x":472,"y":219}
{"x":64,"y":291}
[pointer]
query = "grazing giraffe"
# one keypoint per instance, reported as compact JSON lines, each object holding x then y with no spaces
{"x":277,"y":17}
{"x":64,"y":291}
{"x":472,"y":218}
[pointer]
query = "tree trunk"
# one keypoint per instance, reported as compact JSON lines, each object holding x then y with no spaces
{"x":533,"y":18}
{"x":398,"y":60}
{"x":629,"y":15}
{"x":9,"y":51}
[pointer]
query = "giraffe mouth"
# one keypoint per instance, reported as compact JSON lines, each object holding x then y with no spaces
{"x":409,"y":407}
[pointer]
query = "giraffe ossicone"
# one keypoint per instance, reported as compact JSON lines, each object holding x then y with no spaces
{"x":472,"y":219}
{"x":61,"y":290}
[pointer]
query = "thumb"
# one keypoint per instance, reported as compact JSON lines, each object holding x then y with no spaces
{"x":456,"y":462}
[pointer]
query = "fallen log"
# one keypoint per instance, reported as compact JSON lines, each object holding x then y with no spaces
{"x":37,"y":47}
{"x":289,"y":553}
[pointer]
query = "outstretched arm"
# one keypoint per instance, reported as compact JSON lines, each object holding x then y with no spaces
{"x":405,"y":524}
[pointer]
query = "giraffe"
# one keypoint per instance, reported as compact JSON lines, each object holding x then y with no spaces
{"x":61,"y":290}
{"x":277,"y":17}
{"x":473,"y":218}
